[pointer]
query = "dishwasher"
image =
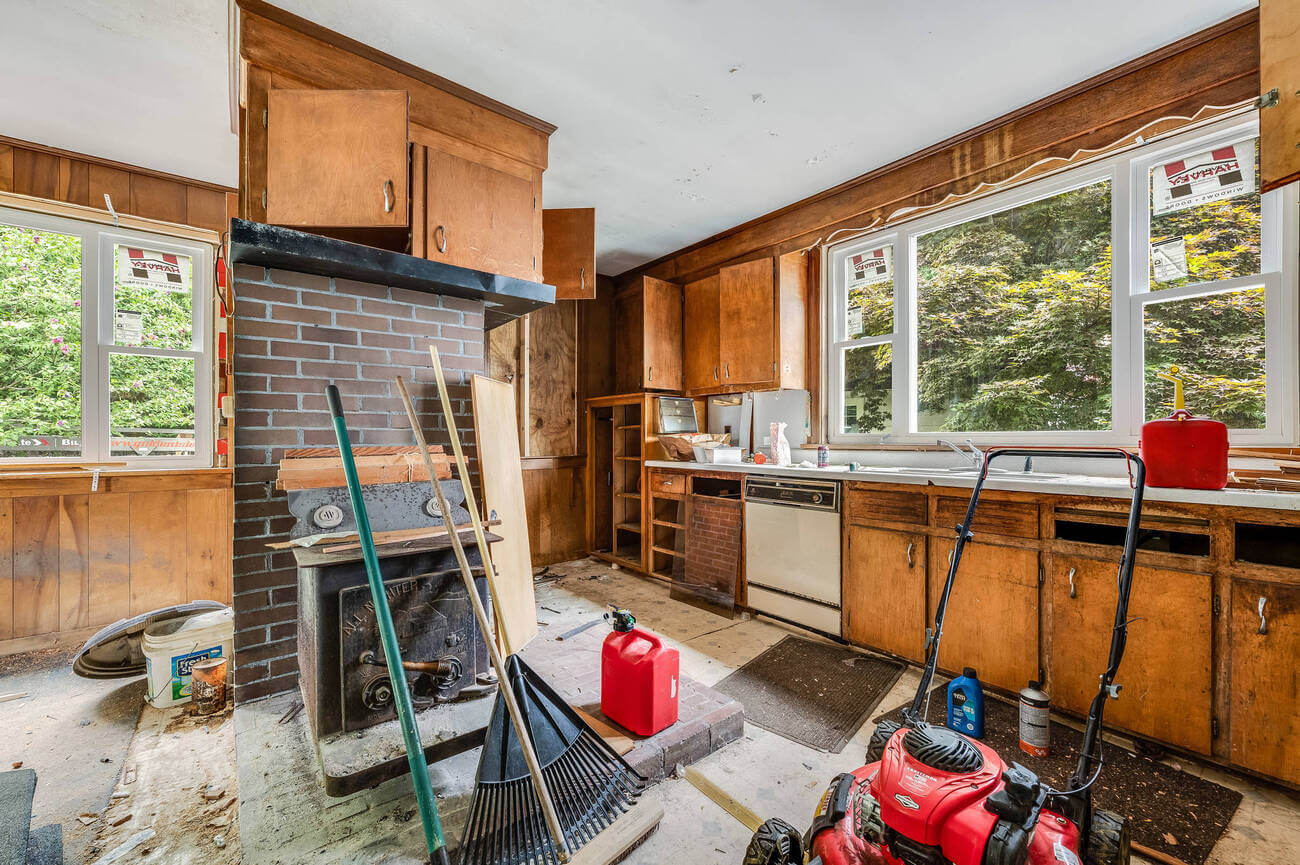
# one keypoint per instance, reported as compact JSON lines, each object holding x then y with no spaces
{"x":792,"y":550}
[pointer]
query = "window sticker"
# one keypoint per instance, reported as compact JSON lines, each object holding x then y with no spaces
{"x":1169,"y":258}
{"x":1224,"y":172}
{"x":869,"y":268}
{"x":128,"y":327}
{"x":147,"y":267}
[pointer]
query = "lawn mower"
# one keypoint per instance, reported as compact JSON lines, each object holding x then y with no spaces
{"x":929,"y":795}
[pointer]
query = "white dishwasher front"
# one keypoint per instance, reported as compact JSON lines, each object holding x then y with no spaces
{"x":792,"y":550}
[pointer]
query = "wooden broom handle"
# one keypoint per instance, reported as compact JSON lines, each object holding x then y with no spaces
{"x":467,"y":575}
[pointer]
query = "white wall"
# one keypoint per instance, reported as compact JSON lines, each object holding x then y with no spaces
{"x":137,"y":81}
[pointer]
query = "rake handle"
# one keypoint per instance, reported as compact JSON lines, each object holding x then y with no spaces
{"x":498,"y":663}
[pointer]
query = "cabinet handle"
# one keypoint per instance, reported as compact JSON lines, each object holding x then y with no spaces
{"x":1263,"y":622}
{"x":950,"y":552}
{"x":582,"y":280}
{"x":728,"y":369}
{"x":1070,"y":576}
{"x":440,"y":238}
{"x":388,"y":196}
{"x":715,"y":372}
{"x":650,"y":373}
{"x":910,"y":563}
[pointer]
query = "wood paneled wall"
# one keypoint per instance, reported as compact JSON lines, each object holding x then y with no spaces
{"x":72,"y":559}
{"x":58,"y":175}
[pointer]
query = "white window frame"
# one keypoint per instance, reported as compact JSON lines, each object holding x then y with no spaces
{"x":97,"y":342}
{"x":1130,"y":293}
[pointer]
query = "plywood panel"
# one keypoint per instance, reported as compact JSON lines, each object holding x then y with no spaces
{"x":1265,"y":722}
{"x":553,"y":380}
{"x":208,"y":553}
{"x":569,"y":252}
{"x":74,"y":562}
{"x":36,"y":565}
{"x":110,"y":557}
{"x":503,"y":492}
{"x":884,"y":590}
{"x":1167,"y":658}
{"x":158,"y":549}
{"x":554,"y":501}
{"x":6,"y":569}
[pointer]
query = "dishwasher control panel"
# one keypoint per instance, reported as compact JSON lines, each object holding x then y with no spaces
{"x":819,"y":495}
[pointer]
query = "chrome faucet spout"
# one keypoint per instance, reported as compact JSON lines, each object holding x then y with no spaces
{"x":970,"y":458}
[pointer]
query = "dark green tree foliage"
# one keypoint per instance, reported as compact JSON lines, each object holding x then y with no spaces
{"x":1014,"y":321}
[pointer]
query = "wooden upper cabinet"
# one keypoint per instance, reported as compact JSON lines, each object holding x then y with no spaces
{"x":648,"y":336}
{"x":700,"y":335}
{"x":746,"y":335}
{"x":1279,"y":70}
{"x":480,"y":215}
{"x":569,"y":252}
{"x":337,"y":158}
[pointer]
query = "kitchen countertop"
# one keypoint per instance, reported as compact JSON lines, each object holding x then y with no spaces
{"x":1116,"y":487}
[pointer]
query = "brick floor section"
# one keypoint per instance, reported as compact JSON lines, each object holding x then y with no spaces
{"x":706,"y":719}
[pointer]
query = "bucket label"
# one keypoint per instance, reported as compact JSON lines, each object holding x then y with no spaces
{"x":183,"y":667}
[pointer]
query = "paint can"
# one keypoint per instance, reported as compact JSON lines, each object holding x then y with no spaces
{"x":208,"y":686}
{"x":1035,"y":721}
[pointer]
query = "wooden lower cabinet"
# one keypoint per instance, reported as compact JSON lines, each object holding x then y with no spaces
{"x":1265,"y":714}
{"x":1166,"y":671}
{"x":884,"y":590}
{"x":992,"y":618}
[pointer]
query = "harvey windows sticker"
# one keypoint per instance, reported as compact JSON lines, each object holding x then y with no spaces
{"x":1224,"y":172}
{"x":148,"y":267}
{"x":869,"y":268}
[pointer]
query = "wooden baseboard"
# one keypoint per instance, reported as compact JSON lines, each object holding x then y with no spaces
{"x":41,"y":642}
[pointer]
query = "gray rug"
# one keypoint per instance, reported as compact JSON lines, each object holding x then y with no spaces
{"x":817,"y":694}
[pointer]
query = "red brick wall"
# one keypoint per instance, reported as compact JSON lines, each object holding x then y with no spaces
{"x":713,"y":543}
{"x":294,"y":334}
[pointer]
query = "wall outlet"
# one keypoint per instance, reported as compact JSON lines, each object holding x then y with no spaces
{"x":767,"y":441}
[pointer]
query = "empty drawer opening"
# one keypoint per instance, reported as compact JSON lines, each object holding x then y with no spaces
{"x":722,"y":488}
{"x":1160,"y":540}
{"x":1267,"y":545}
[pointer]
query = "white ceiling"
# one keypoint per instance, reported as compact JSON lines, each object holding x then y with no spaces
{"x":677,"y":119}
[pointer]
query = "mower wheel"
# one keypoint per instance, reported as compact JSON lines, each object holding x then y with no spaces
{"x":1108,"y":839}
{"x":775,"y":843}
{"x":880,"y":738}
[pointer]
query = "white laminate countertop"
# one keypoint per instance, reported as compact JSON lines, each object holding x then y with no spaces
{"x":1046,"y":482}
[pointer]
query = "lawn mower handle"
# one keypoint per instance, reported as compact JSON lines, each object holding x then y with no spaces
{"x":1089,"y":753}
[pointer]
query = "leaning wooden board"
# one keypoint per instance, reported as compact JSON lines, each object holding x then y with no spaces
{"x":497,"y":434}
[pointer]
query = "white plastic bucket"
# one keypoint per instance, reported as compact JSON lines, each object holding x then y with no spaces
{"x":174,"y":646}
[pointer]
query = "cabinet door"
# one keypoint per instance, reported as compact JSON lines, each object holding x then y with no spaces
{"x":992,"y":618}
{"x":336,"y":158}
{"x":480,"y":217}
{"x":1279,"y":69}
{"x":569,"y":252}
{"x":629,"y":340}
{"x":700,"y":342}
{"x":1265,"y":720}
{"x":746,"y":340}
{"x":1165,"y":673}
{"x":884,"y":590}
{"x":662,"y":360}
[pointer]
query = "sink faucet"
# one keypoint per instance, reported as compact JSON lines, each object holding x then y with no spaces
{"x":975,"y":458}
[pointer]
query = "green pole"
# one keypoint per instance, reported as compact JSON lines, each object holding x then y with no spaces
{"x":388,"y":637}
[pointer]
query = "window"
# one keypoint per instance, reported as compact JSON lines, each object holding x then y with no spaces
{"x":1046,"y":313}
{"x":103,"y":344}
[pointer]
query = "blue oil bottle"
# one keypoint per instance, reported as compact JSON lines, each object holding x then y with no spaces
{"x":966,"y":704}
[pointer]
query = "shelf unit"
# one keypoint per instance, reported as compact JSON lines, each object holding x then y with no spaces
{"x":616,"y":465}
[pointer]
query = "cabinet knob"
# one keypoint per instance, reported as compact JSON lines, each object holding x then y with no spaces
{"x":910,"y":563}
{"x":1070,"y":576}
{"x":440,"y":238}
{"x":1263,"y":622}
{"x":388,"y":196}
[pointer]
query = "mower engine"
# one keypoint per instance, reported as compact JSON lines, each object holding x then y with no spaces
{"x":935,"y":797}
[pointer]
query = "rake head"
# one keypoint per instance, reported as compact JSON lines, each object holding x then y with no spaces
{"x":589,"y":782}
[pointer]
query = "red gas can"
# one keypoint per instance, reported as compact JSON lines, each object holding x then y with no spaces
{"x":1185,"y":451}
{"x":638,"y":678}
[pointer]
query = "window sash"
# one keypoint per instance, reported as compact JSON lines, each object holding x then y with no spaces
{"x":97,"y":298}
{"x":1131,"y":291}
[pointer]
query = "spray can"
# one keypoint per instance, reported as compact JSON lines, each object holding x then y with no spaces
{"x":1035,"y":721}
{"x":823,"y":456}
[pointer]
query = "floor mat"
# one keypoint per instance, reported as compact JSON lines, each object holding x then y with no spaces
{"x":1167,"y":809}
{"x":817,"y":694}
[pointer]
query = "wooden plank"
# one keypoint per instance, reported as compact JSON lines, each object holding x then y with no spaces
{"x":862,"y":503}
{"x":110,"y":557}
{"x":36,"y":565}
{"x":158,"y":549}
{"x":993,"y":517}
{"x":113,"y":182}
{"x":1279,"y":67}
{"x":6,"y":569}
{"x":503,"y":491}
{"x":620,"y":741}
{"x":36,"y":174}
{"x":723,"y":799}
{"x":258,"y":84}
{"x":155,"y":198}
{"x":208,"y":553}
{"x":553,"y":380}
{"x":356,"y":138}
{"x":569,"y":252}
{"x":205,"y":208}
{"x":615,"y":841}
{"x":74,"y":562}
{"x":6,"y":168}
